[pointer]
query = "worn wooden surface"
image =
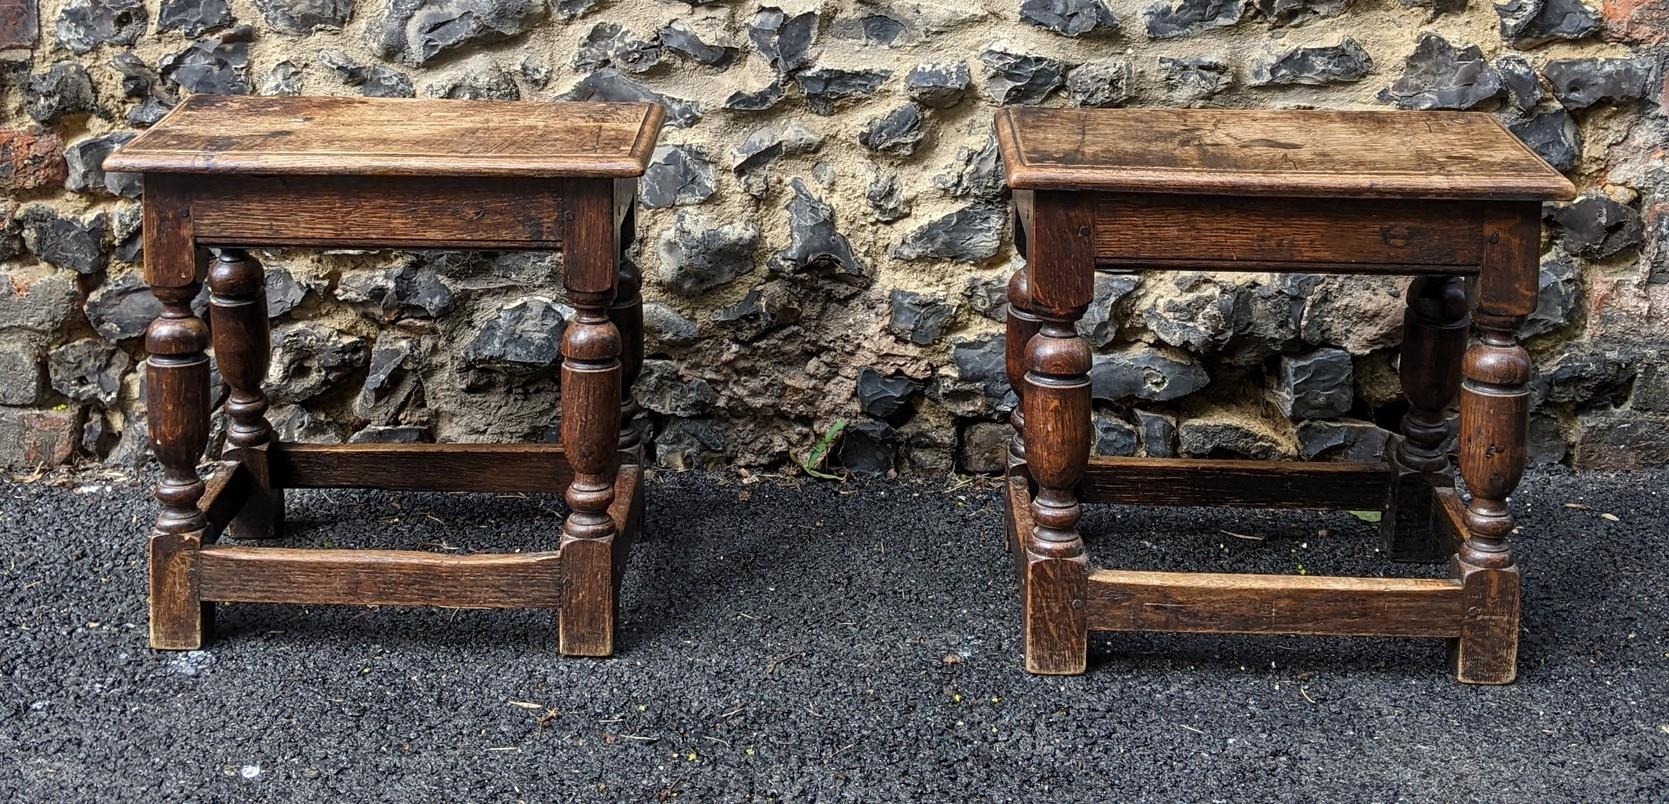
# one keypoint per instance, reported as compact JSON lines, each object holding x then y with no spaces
{"x":1351,"y":486}
{"x":1273,"y":604}
{"x":507,"y":468}
{"x":1331,"y":154}
{"x":245,"y":134}
{"x":380,"y":577}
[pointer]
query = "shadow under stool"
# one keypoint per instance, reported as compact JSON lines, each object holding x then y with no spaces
{"x":228,"y":173}
{"x":1450,"y":198}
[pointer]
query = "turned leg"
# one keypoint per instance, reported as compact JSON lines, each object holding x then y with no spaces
{"x":1022,"y":325}
{"x":627,"y":315}
{"x":177,"y":412}
{"x":1434,"y":340}
{"x":591,"y":382}
{"x":1494,"y":425}
{"x":1056,"y":419}
{"x":243,"y":347}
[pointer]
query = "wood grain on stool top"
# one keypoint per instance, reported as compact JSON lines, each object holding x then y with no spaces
{"x":1339,"y":154}
{"x":225,"y":134}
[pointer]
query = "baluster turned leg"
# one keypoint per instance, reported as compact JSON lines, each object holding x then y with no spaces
{"x":243,"y":347}
{"x":1494,"y":425}
{"x":1022,"y":325}
{"x":591,"y":383}
{"x":1434,"y":341}
{"x":1056,"y":417}
{"x":177,"y":412}
{"x":627,"y":315}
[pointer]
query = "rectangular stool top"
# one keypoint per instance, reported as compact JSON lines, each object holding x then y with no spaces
{"x":1347,"y":154}
{"x":333,"y":136}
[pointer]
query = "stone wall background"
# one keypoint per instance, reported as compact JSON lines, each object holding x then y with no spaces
{"x":824,"y":239}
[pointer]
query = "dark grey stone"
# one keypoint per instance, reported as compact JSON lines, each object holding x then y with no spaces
{"x":975,"y":174}
{"x":1344,"y":63}
{"x":1210,"y":437}
{"x":1297,"y":12}
{"x":1595,"y":227}
{"x":284,"y":79}
{"x":1580,"y":83}
{"x":85,"y":160}
{"x":919,"y":318}
{"x":80,"y":244}
{"x":392,"y":434}
{"x":193,"y":17}
{"x":1346,"y":440}
{"x":677,"y":175}
{"x":697,"y":256}
{"x":1201,"y":319}
{"x":524,"y":335}
{"x":608,"y":84}
{"x":391,"y":381}
{"x":1528,"y":23}
{"x":1100,"y":322}
{"x":878,"y":28}
{"x":1558,"y":294}
{"x":828,"y":87}
{"x":984,"y":361}
{"x":868,"y":448}
{"x":570,"y":10}
{"x":405,"y":291}
{"x":296,"y":423}
{"x":765,"y":145}
{"x":21,"y":379}
{"x":886,"y":396}
{"x":1524,"y":90}
{"x":1195,"y":79}
{"x":39,"y":304}
{"x":1545,"y":443}
{"x":1553,"y":135}
{"x":218,"y":65}
{"x":373,"y":80}
{"x":1318,"y":385}
{"x":1069,"y":17}
{"x":141,"y":82}
{"x":970,"y":234}
{"x":984,"y":447}
{"x":1150,"y":373}
{"x":1112,"y":435}
{"x":1651,"y":386}
{"x":897,"y":132}
{"x":536,"y":73}
{"x":1168,"y":19}
{"x":988,"y":295}
{"x":1437,"y":75}
{"x":886,"y":200}
{"x":814,"y":244}
{"x":88,"y":370}
{"x":301,"y":17}
{"x":126,"y":233}
{"x":1099,"y":84}
{"x":418,"y":31}
{"x":663,"y":389}
{"x":666,"y":328}
{"x":686,"y":444}
{"x":609,"y":44}
{"x":757,"y":101}
{"x":309,"y":358}
{"x":86,"y":24}
{"x":1020,"y":78}
{"x":683,"y":40}
{"x":1587,"y":375}
{"x":479,"y":78}
{"x":283,"y":292}
{"x":122,"y":307}
{"x":1158,"y":434}
{"x":64,"y":89}
{"x":785,"y":41}
{"x":763,"y":310}
{"x":939,"y":86}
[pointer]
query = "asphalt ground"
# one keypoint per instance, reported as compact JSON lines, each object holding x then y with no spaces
{"x":821,"y":642}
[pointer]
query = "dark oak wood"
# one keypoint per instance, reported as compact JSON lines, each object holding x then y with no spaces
{"x":1444,"y":196}
{"x":232,"y":172}
{"x":1349,"y":486}
{"x":1273,"y":604}
{"x":1326,"y":154}
{"x":381,"y":578}
{"x":506,"y":468}
{"x":302,"y":136}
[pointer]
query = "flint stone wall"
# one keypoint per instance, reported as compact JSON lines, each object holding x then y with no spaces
{"x":824,"y":238}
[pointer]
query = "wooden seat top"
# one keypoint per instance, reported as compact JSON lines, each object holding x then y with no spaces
{"x":1346,"y":154}
{"x":333,"y":136}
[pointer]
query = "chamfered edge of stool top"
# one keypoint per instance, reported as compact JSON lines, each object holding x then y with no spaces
{"x":344,"y":136}
{"x":1304,"y":153}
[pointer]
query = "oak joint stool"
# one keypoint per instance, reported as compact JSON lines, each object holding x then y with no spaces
{"x":228,"y":173}
{"x":1451,"y":198}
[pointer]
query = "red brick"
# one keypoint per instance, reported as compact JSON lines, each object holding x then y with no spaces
{"x":31,"y":438}
{"x":1640,"y":21}
{"x":30,"y":158}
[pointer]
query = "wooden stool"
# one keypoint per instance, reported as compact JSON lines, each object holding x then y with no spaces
{"x":1444,"y":196}
{"x":233,"y":172}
